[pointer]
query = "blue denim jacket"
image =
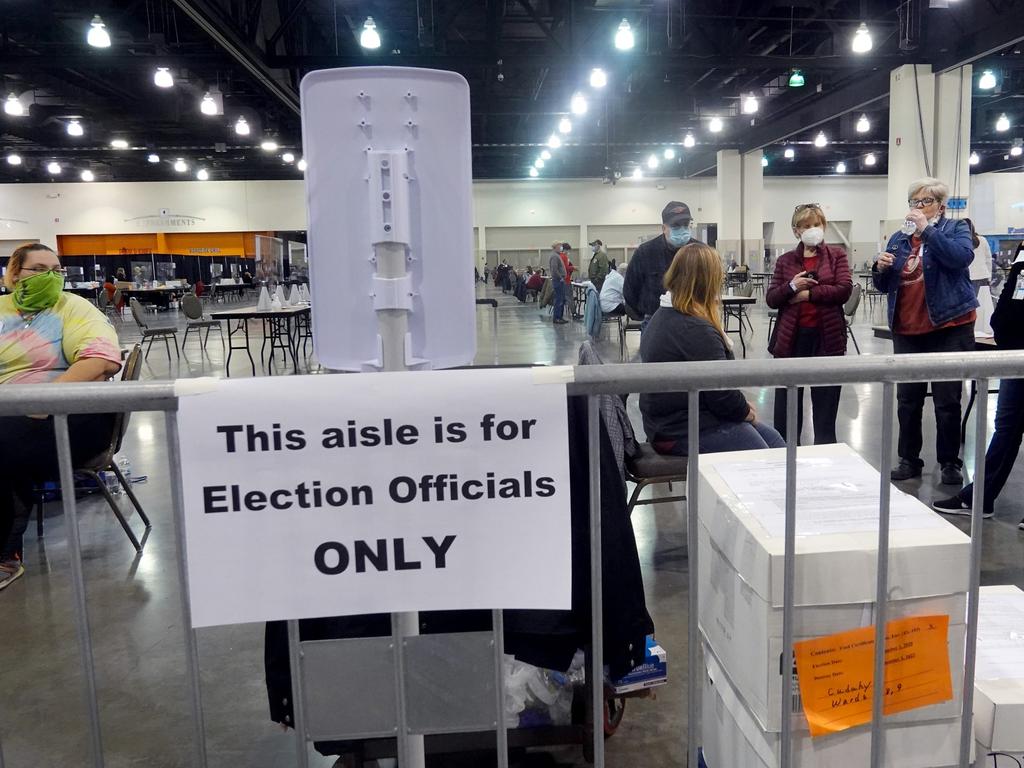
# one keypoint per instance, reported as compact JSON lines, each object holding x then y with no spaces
{"x":948,"y":251}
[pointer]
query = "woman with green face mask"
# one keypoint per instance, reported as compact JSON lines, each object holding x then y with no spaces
{"x":46,"y":335}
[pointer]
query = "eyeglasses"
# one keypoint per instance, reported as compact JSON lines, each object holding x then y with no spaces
{"x":39,"y":270}
{"x":805,"y":206}
{"x":924,"y":202}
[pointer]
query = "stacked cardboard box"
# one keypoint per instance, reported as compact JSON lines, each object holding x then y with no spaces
{"x":741,"y":529}
{"x":999,"y":675}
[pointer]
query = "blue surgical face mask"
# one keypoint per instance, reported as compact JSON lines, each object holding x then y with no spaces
{"x":679,"y":236}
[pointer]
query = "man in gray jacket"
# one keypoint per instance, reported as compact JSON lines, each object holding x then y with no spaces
{"x":556,"y":268}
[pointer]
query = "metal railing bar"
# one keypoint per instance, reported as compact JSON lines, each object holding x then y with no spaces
{"x":500,"y":728}
{"x":295,"y":656}
{"x":78,"y":602}
{"x":974,"y":573}
{"x":191,"y":645}
{"x":789,"y":579}
{"x":695,"y":686}
{"x":596,"y":670}
{"x":882,"y":582}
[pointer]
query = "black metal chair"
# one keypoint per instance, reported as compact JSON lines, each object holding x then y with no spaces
{"x":164,"y":332}
{"x":849,"y":310}
{"x":648,"y":467}
{"x":192,"y":307}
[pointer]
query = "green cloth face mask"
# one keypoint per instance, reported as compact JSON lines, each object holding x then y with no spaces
{"x":39,"y":292}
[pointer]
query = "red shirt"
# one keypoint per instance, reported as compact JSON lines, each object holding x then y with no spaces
{"x":810,"y":317}
{"x":911,"y":317}
{"x":568,"y":267}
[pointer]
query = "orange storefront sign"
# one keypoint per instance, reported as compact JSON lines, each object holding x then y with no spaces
{"x":181,"y":244}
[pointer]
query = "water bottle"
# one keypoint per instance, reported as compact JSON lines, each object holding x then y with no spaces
{"x":908,"y":228}
{"x":125,"y":465}
{"x":109,"y":479}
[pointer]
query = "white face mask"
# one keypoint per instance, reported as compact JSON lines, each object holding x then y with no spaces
{"x":595,"y":248}
{"x":812,"y":236}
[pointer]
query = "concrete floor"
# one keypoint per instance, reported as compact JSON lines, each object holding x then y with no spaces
{"x":134,"y":601}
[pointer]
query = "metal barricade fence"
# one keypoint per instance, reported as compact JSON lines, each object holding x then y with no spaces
{"x":64,"y":399}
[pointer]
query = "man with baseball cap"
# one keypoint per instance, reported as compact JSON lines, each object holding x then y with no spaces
{"x":598,"y":264}
{"x":643,"y":286}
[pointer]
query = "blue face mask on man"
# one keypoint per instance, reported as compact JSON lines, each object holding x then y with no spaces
{"x":678,"y":236}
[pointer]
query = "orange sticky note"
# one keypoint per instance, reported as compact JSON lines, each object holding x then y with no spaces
{"x":836,"y":672}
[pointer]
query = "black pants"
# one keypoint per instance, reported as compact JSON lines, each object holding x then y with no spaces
{"x":824,"y":400}
{"x":28,"y":456}
{"x":1005,"y":444}
{"x":946,"y":397}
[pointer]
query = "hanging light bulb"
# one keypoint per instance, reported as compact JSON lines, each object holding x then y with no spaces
{"x":53,"y":168}
{"x":202,"y":174}
{"x":715,"y":126}
{"x":750,"y":105}
{"x":688,"y":141}
{"x":13,"y":106}
{"x":242,"y":127}
{"x":538,"y":163}
{"x":796,"y":80}
{"x":208,"y":106}
{"x":302,"y":165}
{"x":153,"y":158}
{"x":163,"y":78}
{"x":534,"y":173}
{"x":1017,"y":149}
{"x":764,"y":162}
{"x":624,"y":36}
{"x":652,"y":162}
{"x":840,"y":167}
{"x":598,"y":78}
{"x":987,"y":81}
{"x":870,"y":159}
{"x":564,"y":125}
{"x":13,"y":159}
{"x":369,"y":37}
{"x":87,"y":175}
{"x":1003,"y":123}
{"x":180,"y":165}
{"x":553,"y":141}
{"x":578,"y":104}
{"x":545,"y":155}
{"x":670,"y":154}
{"x":789,"y":154}
{"x":75,"y":128}
{"x":862,"y":42}
{"x":974,"y":159}
{"x":268,"y":145}
{"x":820,"y":141}
{"x":98,"y":36}
{"x":863,"y":124}
{"x":119,"y":144}
{"x":288,"y":157}
{"x":637,"y":173}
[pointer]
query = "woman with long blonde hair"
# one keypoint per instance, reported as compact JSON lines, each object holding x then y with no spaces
{"x":688,"y":327}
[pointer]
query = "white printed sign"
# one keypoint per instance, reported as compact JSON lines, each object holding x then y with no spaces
{"x":311,"y":496}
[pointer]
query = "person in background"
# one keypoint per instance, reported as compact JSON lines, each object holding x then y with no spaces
{"x":247,"y":277}
{"x":808,"y":288}
{"x":46,"y":335}
{"x":120,"y":274}
{"x":611,"y":291}
{"x":981,"y":278}
{"x":1008,"y":325}
{"x":111,"y":289}
{"x":930,"y":309}
{"x":535,"y":281}
{"x":688,"y":327}
{"x":564,"y":250}
{"x":556,"y":266}
{"x":598,"y":269}
{"x":643,"y":284}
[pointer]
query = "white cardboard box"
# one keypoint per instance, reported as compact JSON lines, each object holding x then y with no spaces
{"x":732,"y":738}
{"x":999,"y":675}
{"x":741,"y":564}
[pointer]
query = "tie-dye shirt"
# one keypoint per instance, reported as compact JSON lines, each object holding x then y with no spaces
{"x":40,"y":348}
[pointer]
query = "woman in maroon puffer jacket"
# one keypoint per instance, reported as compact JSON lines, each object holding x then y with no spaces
{"x":809,"y":287}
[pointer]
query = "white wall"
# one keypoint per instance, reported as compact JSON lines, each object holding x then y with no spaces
{"x":997,"y":202}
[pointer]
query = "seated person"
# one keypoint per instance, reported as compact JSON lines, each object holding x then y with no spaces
{"x":535,"y":281}
{"x":611,"y":291}
{"x":688,"y":327}
{"x":46,"y":335}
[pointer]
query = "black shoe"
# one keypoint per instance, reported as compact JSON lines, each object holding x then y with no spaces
{"x":560,"y":321}
{"x":951,"y":475}
{"x":905,"y":470}
{"x":954,"y":505}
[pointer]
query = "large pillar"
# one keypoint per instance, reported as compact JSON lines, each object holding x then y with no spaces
{"x":911,"y":134}
{"x":740,"y":183}
{"x":953,"y":131}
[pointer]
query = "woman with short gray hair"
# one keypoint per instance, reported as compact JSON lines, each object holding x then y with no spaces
{"x":924,"y":272}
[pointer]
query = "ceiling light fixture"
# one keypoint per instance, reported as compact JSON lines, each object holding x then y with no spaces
{"x":288,"y":157}
{"x":13,"y":106}
{"x":796,"y":80}
{"x":652,"y":162}
{"x":790,"y":153}
{"x":862,"y":42}
{"x":820,"y":141}
{"x":716,"y":125}
{"x":1017,"y":149}
{"x":119,"y":144}
{"x":302,"y":165}
{"x":538,"y":163}
{"x":764,"y":161}
{"x":268,"y":145}
{"x":974,"y":159}
{"x":13,"y":159}
{"x":153,"y":158}
{"x":840,"y":167}
{"x":554,"y":142}
{"x":987,"y":81}
{"x":180,"y":165}
{"x":208,"y":106}
{"x":564,"y":125}
{"x":369,"y":37}
{"x":98,"y":36}
{"x":870,"y":160}
{"x":534,"y":173}
{"x":863,"y":124}
{"x":74,"y":128}
{"x":750,"y":105}
{"x":242,"y":127}
{"x":87,"y":175}
{"x":578,"y":104}
{"x":598,"y":78}
{"x":637,"y":173}
{"x":688,"y":141}
{"x":670,"y":154}
{"x":1003,"y":123}
{"x":202,"y":174}
{"x":624,"y":36}
{"x":53,"y":168}
{"x":163,"y":78}
{"x":545,"y":155}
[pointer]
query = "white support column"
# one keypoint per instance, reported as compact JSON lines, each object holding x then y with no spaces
{"x":752,"y":231}
{"x":911,"y":136}
{"x":740,"y":206}
{"x":953,"y":131}
{"x":729,"y":171}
